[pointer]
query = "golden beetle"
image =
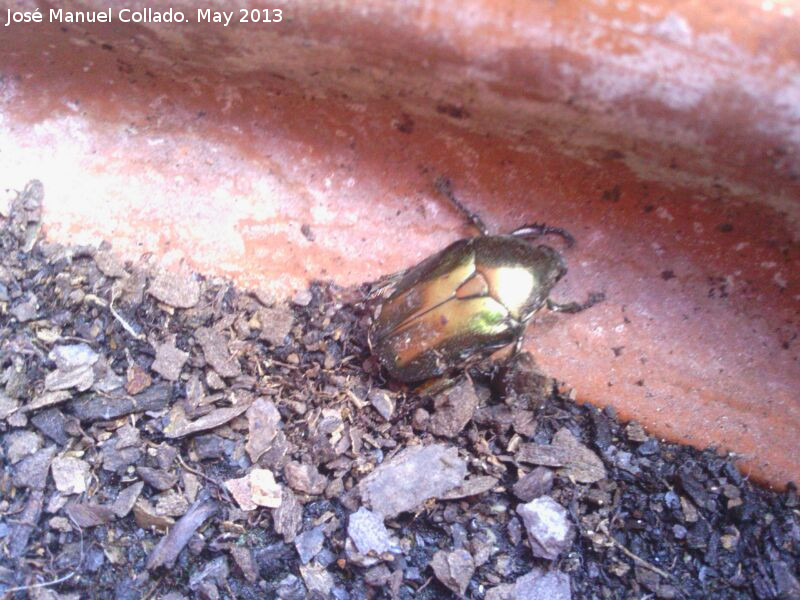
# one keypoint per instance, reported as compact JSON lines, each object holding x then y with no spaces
{"x":466,"y":302}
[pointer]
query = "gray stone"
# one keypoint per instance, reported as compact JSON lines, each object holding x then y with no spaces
{"x":304,"y":478}
{"x":176,"y":288}
{"x":70,"y":474}
{"x":383,"y":403}
{"x":157,"y":478}
{"x":536,"y":585}
{"x":534,"y":484}
{"x":31,"y":472}
{"x":288,"y":516}
{"x":52,"y":423}
{"x":549,"y":530}
{"x":453,"y":409}
{"x":276,"y":323}
{"x":89,"y":515}
{"x":317,"y":579}
{"x":20,"y":444}
{"x":119,"y":404}
{"x":74,"y":367}
{"x":25,"y":310}
{"x":264,"y":420}
{"x":169,"y":360}
{"x":368,"y":533}
{"x":579,"y":463}
{"x":215,"y":349}
{"x":309,"y":543}
{"x":411,"y":477}
{"x":454,"y":569}
{"x":126,"y":499}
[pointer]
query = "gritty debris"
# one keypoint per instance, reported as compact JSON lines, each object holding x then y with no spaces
{"x":130,"y":399}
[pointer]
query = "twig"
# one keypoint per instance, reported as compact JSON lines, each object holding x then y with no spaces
{"x":424,"y":585}
{"x":207,"y":478}
{"x":125,"y":325}
{"x":24,"y":588}
{"x":153,"y":588}
{"x":635,"y":557}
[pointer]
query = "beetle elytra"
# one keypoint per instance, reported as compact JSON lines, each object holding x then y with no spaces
{"x":467,"y":301}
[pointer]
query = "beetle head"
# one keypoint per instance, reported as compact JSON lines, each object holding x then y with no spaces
{"x":547,"y":269}
{"x":551,"y":268}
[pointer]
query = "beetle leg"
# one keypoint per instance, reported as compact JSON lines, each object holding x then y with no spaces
{"x":444,"y":187}
{"x":437,"y":385}
{"x":576,"y":307}
{"x":535,"y":230}
{"x":383,"y":286}
{"x":517,"y":347}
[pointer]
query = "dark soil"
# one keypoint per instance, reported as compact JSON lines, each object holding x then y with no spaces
{"x":130,"y":399}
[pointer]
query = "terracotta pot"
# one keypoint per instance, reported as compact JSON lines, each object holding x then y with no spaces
{"x":664,"y":135}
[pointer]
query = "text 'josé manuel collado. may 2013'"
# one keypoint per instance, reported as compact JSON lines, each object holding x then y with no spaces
{"x":144,"y":15}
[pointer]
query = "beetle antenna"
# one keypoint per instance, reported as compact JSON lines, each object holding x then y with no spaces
{"x":576,"y":307}
{"x":445,"y":187}
{"x":538,"y":229}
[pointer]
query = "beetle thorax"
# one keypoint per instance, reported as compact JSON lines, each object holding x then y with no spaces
{"x":512,"y":286}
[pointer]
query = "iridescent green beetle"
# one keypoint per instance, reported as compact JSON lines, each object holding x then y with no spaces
{"x":466,"y":302}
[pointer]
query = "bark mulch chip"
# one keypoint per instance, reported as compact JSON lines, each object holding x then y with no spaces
{"x":167,"y":435}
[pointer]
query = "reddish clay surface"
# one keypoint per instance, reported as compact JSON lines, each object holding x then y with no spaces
{"x":664,"y":136}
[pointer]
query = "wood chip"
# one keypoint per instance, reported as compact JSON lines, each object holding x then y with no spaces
{"x":169,"y":547}
{"x":126,"y":499}
{"x":180,"y":426}
{"x":215,"y":349}
{"x":579,"y":463}
{"x":70,"y":474}
{"x":89,"y":515}
{"x":46,"y":399}
{"x":119,"y":404}
{"x":177,"y":288}
{"x":288,"y":516}
{"x":263,"y":419}
{"x":157,"y":478}
{"x":257,"y":488}
{"x":474,"y":486}
{"x":169,"y":359}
